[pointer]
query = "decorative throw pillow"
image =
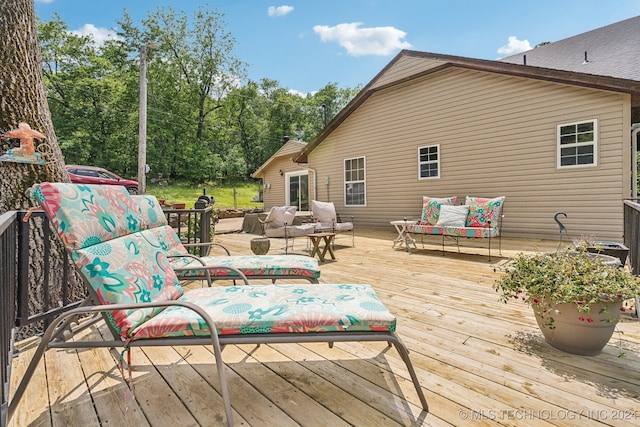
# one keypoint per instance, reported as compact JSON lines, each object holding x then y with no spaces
{"x":278,"y":215}
{"x":483,"y":210}
{"x":323,"y":212}
{"x":431,"y":208}
{"x":453,"y":216}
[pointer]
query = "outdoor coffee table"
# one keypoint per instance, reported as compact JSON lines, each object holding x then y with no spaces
{"x":316,"y":238}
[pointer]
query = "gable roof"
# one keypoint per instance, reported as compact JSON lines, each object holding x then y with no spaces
{"x":409,"y":65}
{"x":290,"y":148}
{"x":613,"y":50}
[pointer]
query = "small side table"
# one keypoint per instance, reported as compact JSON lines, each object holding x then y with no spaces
{"x":316,"y":238}
{"x":403,"y":237}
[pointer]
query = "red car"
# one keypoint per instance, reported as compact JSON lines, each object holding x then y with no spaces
{"x":95,"y":175}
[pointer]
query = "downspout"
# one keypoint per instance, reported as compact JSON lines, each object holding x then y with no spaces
{"x":635,"y":129}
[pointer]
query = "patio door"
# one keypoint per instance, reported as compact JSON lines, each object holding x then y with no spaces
{"x":297,"y":191}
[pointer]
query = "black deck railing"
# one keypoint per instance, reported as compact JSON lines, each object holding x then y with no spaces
{"x":8,"y":274}
{"x":193,"y":226}
{"x":632,"y":233}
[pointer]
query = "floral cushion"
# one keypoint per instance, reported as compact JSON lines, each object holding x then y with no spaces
{"x":471,"y":232}
{"x":482,"y":210}
{"x":129,"y":269}
{"x":250,"y":265}
{"x":84,"y":215}
{"x":151,"y":211}
{"x":431,"y":208}
{"x":267,"y":309}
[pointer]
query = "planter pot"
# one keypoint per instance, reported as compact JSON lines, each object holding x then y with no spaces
{"x":179,"y":205}
{"x":260,"y":245}
{"x":581,"y":336}
{"x":614,"y":249}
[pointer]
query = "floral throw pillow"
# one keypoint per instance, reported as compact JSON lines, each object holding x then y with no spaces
{"x":483,"y":210}
{"x":431,"y":208}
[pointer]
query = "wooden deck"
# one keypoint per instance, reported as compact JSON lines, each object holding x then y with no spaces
{"x":479,"y":362}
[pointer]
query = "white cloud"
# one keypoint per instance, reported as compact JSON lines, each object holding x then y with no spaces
{"x":514,"y":46}
{"x":99,"y":34}
{"x":44,"y":1}
{"x":363,"y":41}
{"x":280,"y":10}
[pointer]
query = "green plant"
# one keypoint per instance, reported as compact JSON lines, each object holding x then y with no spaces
{"x":570,"y":276}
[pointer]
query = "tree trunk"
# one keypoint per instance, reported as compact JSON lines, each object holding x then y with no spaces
{"x":23,"y":99}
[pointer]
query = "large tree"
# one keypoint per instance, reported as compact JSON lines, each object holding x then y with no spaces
{"x":23,"y":99}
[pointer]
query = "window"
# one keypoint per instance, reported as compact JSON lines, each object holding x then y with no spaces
{"x":429,"y":162}
{"x":354,"y":182}
{"x":577,"y":144}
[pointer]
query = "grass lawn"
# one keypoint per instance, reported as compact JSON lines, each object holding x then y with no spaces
{"x":188,"y":193}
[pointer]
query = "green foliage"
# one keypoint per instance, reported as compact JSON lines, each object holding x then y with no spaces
{"x":570,"y":276}
{"x":223,"y":194}
{"x":204,"y":123}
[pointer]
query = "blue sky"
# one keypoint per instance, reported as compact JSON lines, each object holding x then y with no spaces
{"x":305,"y":44}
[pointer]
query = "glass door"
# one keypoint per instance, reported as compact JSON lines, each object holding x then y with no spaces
{"x":297,"y":191}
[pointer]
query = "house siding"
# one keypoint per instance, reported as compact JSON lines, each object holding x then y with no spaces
{"x":497,"y":136}
{"x":406,"y":66}
{"x":274,"y":196}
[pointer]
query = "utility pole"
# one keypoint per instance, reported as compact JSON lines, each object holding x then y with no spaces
{"x":142,"y":125}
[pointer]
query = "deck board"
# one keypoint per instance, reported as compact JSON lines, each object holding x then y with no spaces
{"x":479,"y":361}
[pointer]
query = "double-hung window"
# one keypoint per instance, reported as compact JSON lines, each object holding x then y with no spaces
{"x":354,"y":182}
{"x":578,"y":144}
{"x":429,"y":162}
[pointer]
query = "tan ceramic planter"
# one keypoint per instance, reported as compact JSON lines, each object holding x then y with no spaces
{"x":587,"y":336}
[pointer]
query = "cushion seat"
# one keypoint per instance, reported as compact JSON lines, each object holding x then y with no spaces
{"x":274,"y":309}
{"x":471,"y":232}
{"x":291,"y":230}
{"x":338,"y":227}
{"x":252,"y":265}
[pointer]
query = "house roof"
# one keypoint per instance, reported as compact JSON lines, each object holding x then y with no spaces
{"x":288,"y":149}
{"x":613,"y":50}
{"x":424,"y":63}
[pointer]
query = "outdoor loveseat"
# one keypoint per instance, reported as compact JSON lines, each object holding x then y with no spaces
{"x":477,"y":218}
{"x":126,"y":268}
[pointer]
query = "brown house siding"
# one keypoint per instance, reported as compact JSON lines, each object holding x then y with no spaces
{"x":497,"y":136}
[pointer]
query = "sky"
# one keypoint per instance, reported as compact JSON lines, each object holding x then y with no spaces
{"x":307,"y":44}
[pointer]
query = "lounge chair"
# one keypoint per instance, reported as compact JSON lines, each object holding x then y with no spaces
{"x":327,"y":220}
{"x":127,"y":271}
{"x":279,"y":223}
{"x":272,"y":267}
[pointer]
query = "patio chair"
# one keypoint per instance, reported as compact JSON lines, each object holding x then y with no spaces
{"x":327,"y":220}
{"x":272,"y":267}
{"x":127,"y":272}
{"x":279,"y":223}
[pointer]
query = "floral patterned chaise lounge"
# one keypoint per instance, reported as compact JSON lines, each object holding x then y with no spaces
{"x":254,"y":267}
{"x":126,"y":267}
{"x":479,"y":218}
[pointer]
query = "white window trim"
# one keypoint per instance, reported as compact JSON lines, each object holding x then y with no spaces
{"x":594,"y":143}
{"x":345,"y":182}
{"x":437,"y":162}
